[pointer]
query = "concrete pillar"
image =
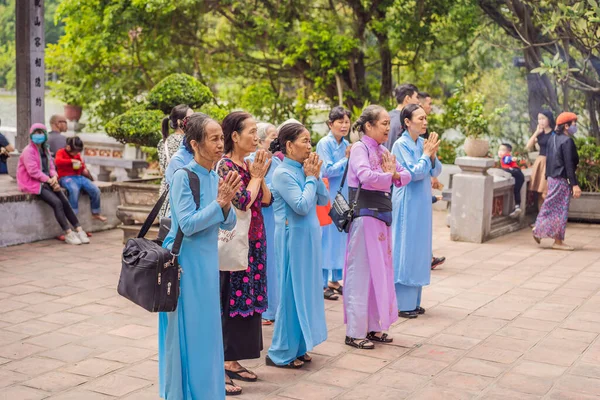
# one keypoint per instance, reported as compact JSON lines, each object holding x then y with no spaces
{"x":30,"y":44}
{"x":472,"y":200}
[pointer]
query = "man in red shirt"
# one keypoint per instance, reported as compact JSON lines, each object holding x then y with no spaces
{"x":510,"y":166}
{"x":74,"y":176}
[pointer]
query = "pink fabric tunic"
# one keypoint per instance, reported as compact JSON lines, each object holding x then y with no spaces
{"x":29,"y":170}
{"x":369,"y":295}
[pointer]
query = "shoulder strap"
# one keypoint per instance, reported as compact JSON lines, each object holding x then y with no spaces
{"x":195,"y":186}
{"x":153,"y":214}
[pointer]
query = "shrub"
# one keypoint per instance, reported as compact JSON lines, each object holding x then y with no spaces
{"x":139,"y":128}
{"x":214,"y":111}
{"x":178,"y":89}
{"x":588,"y":171}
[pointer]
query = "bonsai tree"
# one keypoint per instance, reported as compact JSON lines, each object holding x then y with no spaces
{"x":178,"y":89}
{"x":136,"y":127}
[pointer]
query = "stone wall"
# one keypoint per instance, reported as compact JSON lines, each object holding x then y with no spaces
{"x":27,"y":219}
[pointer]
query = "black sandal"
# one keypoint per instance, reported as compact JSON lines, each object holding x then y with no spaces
{"x":381,"y":339}
{"x":304,"y":358}
{"x":291,"y":365}
{"x":363,"y":344}
{"x":339,"y":290}
{"x":236,"y":375}
{"x":329,"y":294}
{"x":408,"y":314}
{"x":420,"y":310}
{"x":236,"y":393}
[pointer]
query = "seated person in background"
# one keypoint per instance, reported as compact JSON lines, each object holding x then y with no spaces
{"x":5,"y":149}
{"x":36,"y":175}
{"x":510,"y":166}
{"x":56,"y":140}
{"x":74,"y":176}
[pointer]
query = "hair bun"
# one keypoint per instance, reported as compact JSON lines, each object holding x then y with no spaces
{"x":275,"y":146}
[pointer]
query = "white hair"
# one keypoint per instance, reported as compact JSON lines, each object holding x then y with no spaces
{"x":262,"y":129}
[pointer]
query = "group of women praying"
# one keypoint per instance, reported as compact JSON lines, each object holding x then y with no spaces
{"x":294,"y":264}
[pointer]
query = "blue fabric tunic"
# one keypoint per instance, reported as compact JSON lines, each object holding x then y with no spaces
{"x":190,"y":342}
{"x":300,"y":319}
{"x":272,"y":269}
{"x":412,"y":218}
{"x":180,"y":159}
{"x":333,"y":243}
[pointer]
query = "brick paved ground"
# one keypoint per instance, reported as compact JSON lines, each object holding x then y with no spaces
{"x":505,"y":320}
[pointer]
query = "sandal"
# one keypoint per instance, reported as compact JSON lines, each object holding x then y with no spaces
{"x":339,"y":289}
{"x":408,"y":314}
{"x":233,"y":393}
{"x":236,"y":375}
{"x":267,"y":322}
{"x":364,"y":344}
{"x":537,"y":239}
{"x":292,"y":365}
{"x":305,"y":358}
{"x":420,"y":310}
{"x":329,"y":294}
{"x":381,"y":339}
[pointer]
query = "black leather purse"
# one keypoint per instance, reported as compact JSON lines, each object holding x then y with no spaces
{"x":341,"y":212}
{"x":150,"y":274}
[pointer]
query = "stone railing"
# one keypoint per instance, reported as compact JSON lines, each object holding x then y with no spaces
{"x":481,"y":198}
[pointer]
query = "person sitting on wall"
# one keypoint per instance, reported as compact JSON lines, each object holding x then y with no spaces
{"x":74,"y":176}
{"x":5,"y":149}
{"x":510,"y":166}
{"x":56,"y":140}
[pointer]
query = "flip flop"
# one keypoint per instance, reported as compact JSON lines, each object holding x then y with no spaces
{"x":236,"y":375}
{"x":236,"y":393}
{"x":329,"y":294}
{"x":291,"y":365}
{"x":304,"y":359}
{"x":339,"y":290}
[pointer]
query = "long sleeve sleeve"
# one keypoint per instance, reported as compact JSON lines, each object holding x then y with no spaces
{"x":190,"y":219}
{"x":360,"y":162}
{"x":437,"y":168}
{"x":301,"y":201}
{"x":571,"y":159}
{"x":419,"y":168}
{"x":322,"y":193}
{"x":33,"y":168}
{"x":405,"y":176}
{"x":331,"y":168}
{"x":241,"y":201}
{"x":62,"y":159}
{"x":230,"y":221}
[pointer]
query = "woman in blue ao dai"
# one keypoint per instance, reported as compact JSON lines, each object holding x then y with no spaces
{"x":297,"y":190}
{"x":412,"y":220}
{"x":190,"y":346}
{"x":334,"y":149}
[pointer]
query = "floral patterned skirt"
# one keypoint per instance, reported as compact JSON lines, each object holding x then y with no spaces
{"x":551,"y":222}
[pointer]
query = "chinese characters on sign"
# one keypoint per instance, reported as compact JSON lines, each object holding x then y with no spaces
{"x":36,"y":65}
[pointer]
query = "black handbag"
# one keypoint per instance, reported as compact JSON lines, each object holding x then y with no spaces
{"x":150,"y":274}
{"x":341,"y":212}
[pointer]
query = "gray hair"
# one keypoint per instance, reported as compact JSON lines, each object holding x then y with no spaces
{"x":263,"y":128}
{"x":369,"y":114}
{"x":289,"y":121}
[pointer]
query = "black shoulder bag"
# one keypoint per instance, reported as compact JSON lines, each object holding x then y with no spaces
{"x":150,"y":274}
{"x":341,"y":212}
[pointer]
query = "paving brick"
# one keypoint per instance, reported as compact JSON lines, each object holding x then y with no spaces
{"x":437,"y":353}
{"x":70,"y":353}
{"x":117,"y":385}
{"x":404,"y":381}
{"x":127,"y":355}
{"x":93,"y":367}
{"x":579,"y":384}
{"x":501,"y":393}
{"x":526,"y":383}
{"x":307,"y":390}
{"x":19,"y":350}
{"x":8,"y":377}
{"x":496,"y":355}
{"x":479,"y":367}
{"x":51,"y":340}
{"x":433,"y":392}
{"x":374,"y":392}
{"x":420,"y":366}
{"x":22,"y":393}
{"x":454,"y":341}
{"x":463,"y":381}
{"x":33,"y":327}
{"x":18,"y":316}
{"x":79,"y":394}
{"x":338,"y":377}
{"x":55,"y":381}
{"x":33,"y":366}
{"x":361,"y":363}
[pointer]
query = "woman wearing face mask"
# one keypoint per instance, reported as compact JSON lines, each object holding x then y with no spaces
{"x":244,"y":293}
{"x":190,"y":346}
{"x":561,"y":164}
{"x":297,"y":190}
{"x":266,"y":134}
{"x":412,"y":222}
{"x":541,"y":136}
{"x":369,"y":299}
{"x":36,"y":174}
{"x":169,"y":144}
{"x":334,"y":149}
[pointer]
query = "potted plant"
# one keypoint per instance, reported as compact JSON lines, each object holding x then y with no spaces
{"x":72,"y":97}
{"x":587,"y":207}
{"x":468,"y":115}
